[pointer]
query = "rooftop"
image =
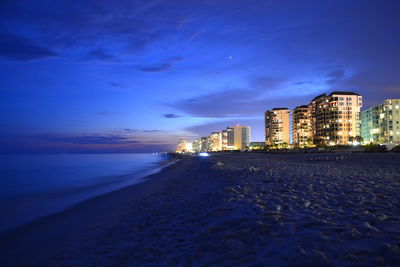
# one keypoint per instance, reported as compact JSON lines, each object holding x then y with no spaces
{"x":280,"y":109}
{"x":342,"y":93}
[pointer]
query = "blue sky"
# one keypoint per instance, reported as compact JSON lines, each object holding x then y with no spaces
{"x":134,"y":76}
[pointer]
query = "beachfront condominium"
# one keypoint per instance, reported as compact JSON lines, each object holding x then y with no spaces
{"x":336,"y":118}
{"x":182,"y":146}
{"x":238,"y":137}
{"x":381,"y":124}
{"x":302,"y":126}
{"x":196,"y":145}
{"x":216,"y":141}
{"x":224,"y":140}
{"x":205,"y":144}
{"x":277,"y":126}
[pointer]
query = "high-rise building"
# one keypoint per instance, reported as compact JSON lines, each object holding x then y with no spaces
{"x":205,"y":143}
{"x":216,"y":141}
{"x":196,"y":145}
{"x":238,"y":137}
{"x":277,"y":126}
{"x":224,"y":140}
{"x":336,"y":118}
{"x":181,"y":147}
{"x":370,"y":129}
{"x":230,"y":139}
{"x":381,"y":123}
{"x":302,"y":126}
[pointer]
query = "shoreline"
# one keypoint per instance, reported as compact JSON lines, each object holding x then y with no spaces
{"x":230,"y":208}
{"x":69,"y":197}
{"x":117,"y":199}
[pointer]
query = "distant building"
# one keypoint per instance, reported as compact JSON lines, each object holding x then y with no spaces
{"x":277,"y":126}
{"x":230,"y":138}
{"x":370,"y":128}
{"x":216,"y":141}
{"x":196,"y":145}
{"x":238,"y":137}
{"x":336,"y":118}
{"x":181,"y":147}
{"x":381,"y":123}
{"x":205,"y":144}
{"x":224,"y":140}
{"x":302,"y":126}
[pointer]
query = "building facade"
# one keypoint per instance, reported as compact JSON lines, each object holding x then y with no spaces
{"x":370,"y":129}
{"x":181,"y":146}
{"x":381,"y":124}
{"x":302,"y":132}
{"x":224,"y":140}
{"x":277,"y":126}
{"x":216,"y":141}
{"x":238,"y":137}
{"x":336,"y":118}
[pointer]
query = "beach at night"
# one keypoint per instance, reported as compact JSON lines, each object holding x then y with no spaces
{"x":231,"y":209}
{"x":199,"y":133}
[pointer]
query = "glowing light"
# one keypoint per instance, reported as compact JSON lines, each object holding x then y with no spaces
{"x":204,"y":154}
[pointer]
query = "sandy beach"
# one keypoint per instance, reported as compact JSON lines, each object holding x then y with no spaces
{"x":230,"y":209}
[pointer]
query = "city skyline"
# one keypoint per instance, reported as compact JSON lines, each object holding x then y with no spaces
{"x":134,"y":76}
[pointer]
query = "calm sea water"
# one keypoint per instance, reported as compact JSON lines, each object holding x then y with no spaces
{"x":33,"y":186}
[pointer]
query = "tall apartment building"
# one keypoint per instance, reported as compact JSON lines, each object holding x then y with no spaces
{"x":370,"y":129}
{"x":302,"y":132}
{"x":238,"y":137}
{"x":196,"y":145}
{"x":381,"y":123}
{"x":181,"y":146}
{"x":224,"y":140}
{"x":205,"y":143}
{"x":216,"y":141}
{"x":336,"y":118}
{"x":277,"y":126}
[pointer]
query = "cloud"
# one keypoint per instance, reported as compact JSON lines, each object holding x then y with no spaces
{"x":151,"y":131}
{"x":156,"y":68}
{"x":162,"y":66}
{"x":133,"y":24}
{"x":19,"y":48}
{"x":99,"y":54}
{"x":130,"y":130}
{"x":171,"y":116}
{"x":335,"y":76}
{"x":117,"y":85}
{"x":235,"y":102}
{"x":88,"y":139}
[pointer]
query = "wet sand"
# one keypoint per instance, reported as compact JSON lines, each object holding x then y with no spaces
{"x":231,"y":209}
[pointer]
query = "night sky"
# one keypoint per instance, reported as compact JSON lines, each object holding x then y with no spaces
{"x":134,"y":76}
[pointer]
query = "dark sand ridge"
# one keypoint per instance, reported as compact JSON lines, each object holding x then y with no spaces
{"x":232,"y":209}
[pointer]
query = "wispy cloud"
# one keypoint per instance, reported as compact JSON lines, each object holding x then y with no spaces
{"x":88,"y":139}
{"x":151,"y":131}
{"x":117,"y":85}
{"x":99,"y":54}
{"x":156,"y":68}
{"x":19,"y":48}
{"x":171,"y":116}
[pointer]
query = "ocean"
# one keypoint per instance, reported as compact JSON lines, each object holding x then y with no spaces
{"x":33,"y":186}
